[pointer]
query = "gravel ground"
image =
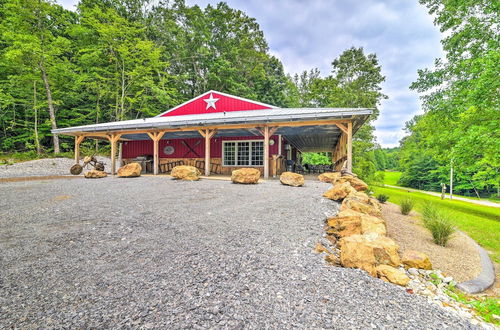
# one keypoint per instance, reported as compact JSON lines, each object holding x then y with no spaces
{"x":44,"y":167}
{"x":459,"y":259}
{"x":151,"y":252}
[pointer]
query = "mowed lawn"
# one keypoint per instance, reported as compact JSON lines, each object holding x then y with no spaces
{"x":482,"y":223}
{"x":392,"y":178}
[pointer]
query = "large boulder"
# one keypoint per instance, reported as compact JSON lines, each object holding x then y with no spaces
{"x":356,"y":183}
{"x":357,"y":205}
{"x":339,"y":191}
{"x":416,"y":259}
{"x":245,"y":175}
{"x":292,"y":179}
{"x":184,"y":172}
{"x":393,"y":275}
{"x":95,"y":174}
{"x":349,"y":222}
{"x":130,"y":170}
{"x":329,"y":177}
{"x":368,"y":251}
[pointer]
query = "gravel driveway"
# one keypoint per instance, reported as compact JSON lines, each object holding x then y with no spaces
{"x":150,"y":252}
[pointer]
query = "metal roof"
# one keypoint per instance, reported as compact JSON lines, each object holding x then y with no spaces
{"x":305,"y":138}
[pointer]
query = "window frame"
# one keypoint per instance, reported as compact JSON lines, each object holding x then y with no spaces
{"x":236,"y":152}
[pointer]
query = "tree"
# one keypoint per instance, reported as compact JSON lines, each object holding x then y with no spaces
{"x":354,"y":83}
{"x":460,"y":95}
{"x":34,"y":34}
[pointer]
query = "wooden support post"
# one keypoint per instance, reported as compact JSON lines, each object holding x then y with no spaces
{"x":266,"y":152}
{"x":207,"y":134}
{"x":349,"y":146}
{"x":113,"y":138}
{"x":78,"y":140}
{"x":156,"y":137}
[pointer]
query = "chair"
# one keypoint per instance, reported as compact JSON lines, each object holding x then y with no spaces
{"x":289,"y":165}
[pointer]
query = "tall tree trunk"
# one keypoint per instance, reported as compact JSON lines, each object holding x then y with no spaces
{"x":50,"y":103}
{"x":35,"y":108}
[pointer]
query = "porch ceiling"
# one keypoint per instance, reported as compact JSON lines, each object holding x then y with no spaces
{"x":305,"y":138}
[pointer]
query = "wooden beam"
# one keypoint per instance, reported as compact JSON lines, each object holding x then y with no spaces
{"x":266,"y":152}
{"x":113,"y":138}
{"x":229,"y":126}
{"x":78,"y":140}
{"x":202,"y":132}
{"x":349,"y":146}
{"x":156,"y":137}
{"x":272,"y":130}
{"x":342,"y":127}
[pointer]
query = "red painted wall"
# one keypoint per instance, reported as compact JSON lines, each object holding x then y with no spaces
{"x":132,"y":149}
{"x":224,"y":104}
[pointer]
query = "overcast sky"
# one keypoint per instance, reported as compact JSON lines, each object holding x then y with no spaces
{"x":310,"y":34}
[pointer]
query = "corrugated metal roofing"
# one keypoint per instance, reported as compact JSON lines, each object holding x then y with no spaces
{"x":305,"y":138}
{"x":221,"y":118}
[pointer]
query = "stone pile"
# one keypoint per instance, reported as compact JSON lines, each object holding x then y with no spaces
{"x":356,"y":238}
{"x":357,"y":234}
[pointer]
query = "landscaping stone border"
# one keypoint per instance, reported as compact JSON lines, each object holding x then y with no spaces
{"x":487,"y":276}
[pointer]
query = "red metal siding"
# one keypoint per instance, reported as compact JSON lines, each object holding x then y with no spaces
{"x":132,"y":149}
{"x":224,"y":104}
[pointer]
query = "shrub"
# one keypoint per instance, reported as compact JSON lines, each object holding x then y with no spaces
{"x":407,"y":205}
{"x":382,"y":198}
{"x":437,"y":223}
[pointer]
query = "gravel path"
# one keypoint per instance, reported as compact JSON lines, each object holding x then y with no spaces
{"x":151,"y":252}
{"x":44,"y":167}
{"x":463,"y":199}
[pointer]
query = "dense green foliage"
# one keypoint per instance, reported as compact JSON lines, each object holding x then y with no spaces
{"x":482,"y":223}
{"x":317,"y":158}
{"x":461,"y":102}
{"x":124,"y":59}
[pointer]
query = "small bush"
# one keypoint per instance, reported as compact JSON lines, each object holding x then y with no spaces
{"x":382,"y":198}
{"x":437,"y":223}
{"x":407,"y":205}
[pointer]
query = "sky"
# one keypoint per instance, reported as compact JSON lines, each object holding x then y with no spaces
{"x":311,"y":34}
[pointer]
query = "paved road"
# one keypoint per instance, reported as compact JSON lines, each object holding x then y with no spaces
{"x":473,"y":201}
{"x":151,"y":252}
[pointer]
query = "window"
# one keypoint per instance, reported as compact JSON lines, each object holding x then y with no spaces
{"x":243,"y":153}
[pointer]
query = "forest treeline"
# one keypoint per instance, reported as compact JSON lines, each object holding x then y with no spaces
{"x":460,"y":127}
{"x":124,"y":59}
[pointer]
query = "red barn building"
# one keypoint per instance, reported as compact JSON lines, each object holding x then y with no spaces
{"x":218,"y":132}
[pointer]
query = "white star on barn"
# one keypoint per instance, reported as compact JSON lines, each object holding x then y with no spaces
{"x":211,"y":102}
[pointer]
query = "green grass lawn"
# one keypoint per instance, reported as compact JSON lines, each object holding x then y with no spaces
{"x":482,"y":223}
{"x":391,"y":178}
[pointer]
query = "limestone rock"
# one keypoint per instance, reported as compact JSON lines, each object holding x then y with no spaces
{"x":184,"y":172}
{"x":349,"y":222}
{"x":339,"y":191}
{"x":346,"y":223}
{"x":329,"y":177}
{"x":320,"y":248}
{"x":356,"y":183}
{"x":393,"y":275}
{"x":368,"y":251}
{"x":245,"y":175}
{"x":359,"y":195}
{"x":332,"y":259}
{"x":95,"y":174}
{"x":359,"y":206}
{"x":130,"y":170}
{"x":416,"y":259}
{"x":292,"y":179}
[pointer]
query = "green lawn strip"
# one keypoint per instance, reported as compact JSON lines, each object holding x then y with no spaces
{"x":392,"y":178}
{"x":482,"y":223}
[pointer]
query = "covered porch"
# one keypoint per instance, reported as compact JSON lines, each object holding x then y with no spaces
{"x":263,"y":139}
